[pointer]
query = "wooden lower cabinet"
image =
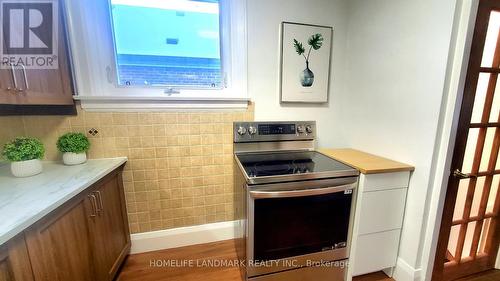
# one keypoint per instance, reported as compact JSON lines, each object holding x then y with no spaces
{"x":109,"y":229}
{"x":14,"y":261}
{"x":59,"y":246}
{"x":87,"y":239}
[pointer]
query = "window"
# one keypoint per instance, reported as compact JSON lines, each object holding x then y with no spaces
{"x":132,"y":54}
{"x":172,"y":43}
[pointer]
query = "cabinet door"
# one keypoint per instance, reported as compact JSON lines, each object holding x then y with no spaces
{"x":5,"y":270}
{"x":42,"y":86}
{"x":14,"y":261}
{"x":59,"y":246}
{"x":376,"y":251}
{"x":109,"y":229}
{"x":382,"y":210}
{"x":7,"y":93}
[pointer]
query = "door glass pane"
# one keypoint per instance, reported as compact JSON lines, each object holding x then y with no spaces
{"x":482,"y":87}
{"x":469,"y":150}
{"x":452,"y":241}
{"x":488,"y":146}
{"x":288,"y":227}
{"x":497,"y":165}
{"x":460,"y":203}
{"x":477,"y":196}
{"x":479,"y":99}
{"x":491,"y":39}
{"x":484,"y":235}
{"x":493,"y":194}
{"x":468,"y":239}
{"x":495,"y":107}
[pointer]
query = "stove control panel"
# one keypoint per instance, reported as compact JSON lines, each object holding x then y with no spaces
{"x":274,"y":131}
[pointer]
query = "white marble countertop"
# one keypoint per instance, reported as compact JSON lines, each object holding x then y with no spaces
{"x":24,"y":201}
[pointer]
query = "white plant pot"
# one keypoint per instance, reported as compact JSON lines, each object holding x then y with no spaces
{"x":70,"y":158}
{"x":27,"y":168}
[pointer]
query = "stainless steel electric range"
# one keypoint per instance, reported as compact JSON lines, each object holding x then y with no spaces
{"x":294,"y":203}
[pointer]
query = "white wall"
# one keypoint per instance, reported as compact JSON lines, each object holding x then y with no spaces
{"x":264,"y":19}
{"x":397,"y":59}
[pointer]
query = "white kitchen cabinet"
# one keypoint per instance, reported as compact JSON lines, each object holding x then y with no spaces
{"x":383,"y":245}
{"x":382,"y":210}
{"x":376,"y":182}
{"x":378,"y":220}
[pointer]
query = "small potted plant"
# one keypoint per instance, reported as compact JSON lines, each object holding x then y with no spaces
{"x":74,"y":147}
{"x":24,"y":154}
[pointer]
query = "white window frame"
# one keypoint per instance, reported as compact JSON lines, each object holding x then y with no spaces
{"x":94,"y":65}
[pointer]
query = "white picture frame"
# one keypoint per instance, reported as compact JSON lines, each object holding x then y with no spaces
{"x":304,"y":67}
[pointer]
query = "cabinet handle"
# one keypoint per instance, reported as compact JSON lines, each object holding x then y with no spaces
{"x":100,"y":206}
{"x":26,"y":85}
{"x":93,"y":200}
{"x":13,"y":75}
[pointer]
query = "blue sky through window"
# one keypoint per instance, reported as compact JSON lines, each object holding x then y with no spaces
{"x":167,"y":42}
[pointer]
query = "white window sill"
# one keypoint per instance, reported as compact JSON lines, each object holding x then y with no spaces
{"x":156,"y":103}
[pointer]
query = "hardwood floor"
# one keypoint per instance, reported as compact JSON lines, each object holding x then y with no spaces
{"x":377,"y":276}
{"x":139,"y":267}
{"x":191,"y":264}
{"x":154,"y":266}
{"x":491,"y":275}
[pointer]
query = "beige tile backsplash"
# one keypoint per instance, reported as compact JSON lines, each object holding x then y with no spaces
{"x":180,"y":169}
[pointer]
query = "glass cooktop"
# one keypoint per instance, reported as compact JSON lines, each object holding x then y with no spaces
{"x":292,"y":163}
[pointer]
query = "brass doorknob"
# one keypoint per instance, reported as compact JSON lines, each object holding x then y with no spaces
{"x":458,"y":174}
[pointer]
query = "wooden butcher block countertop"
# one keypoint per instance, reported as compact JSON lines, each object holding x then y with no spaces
{"x":366,"y":163}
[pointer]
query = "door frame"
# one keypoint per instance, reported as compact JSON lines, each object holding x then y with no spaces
{"x":458,"y":62}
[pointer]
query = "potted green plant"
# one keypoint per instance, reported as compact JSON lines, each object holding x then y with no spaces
{"x":74,"y":147}
{"x":24,"y":154}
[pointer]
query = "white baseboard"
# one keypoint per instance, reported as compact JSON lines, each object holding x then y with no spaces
{"x":184,"y":236}
{"x":405,"y":272}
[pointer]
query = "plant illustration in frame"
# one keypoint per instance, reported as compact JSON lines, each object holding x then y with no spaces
{"x":305,"y":62}
{"x":315,"y":42}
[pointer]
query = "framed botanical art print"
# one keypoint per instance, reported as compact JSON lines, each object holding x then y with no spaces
{"x":305,"y":62}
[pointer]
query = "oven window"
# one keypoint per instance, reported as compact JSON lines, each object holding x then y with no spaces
{"x":288,"y":227}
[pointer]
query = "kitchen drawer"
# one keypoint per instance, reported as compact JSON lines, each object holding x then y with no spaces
{"x":385,"y":181}
{"x":382,"y":210}
{"x":376,"y":251}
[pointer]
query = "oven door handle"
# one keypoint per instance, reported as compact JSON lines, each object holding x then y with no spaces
{"x":300,"y":193}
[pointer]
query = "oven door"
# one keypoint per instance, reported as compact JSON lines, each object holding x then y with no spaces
{"x":295,"y":224}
